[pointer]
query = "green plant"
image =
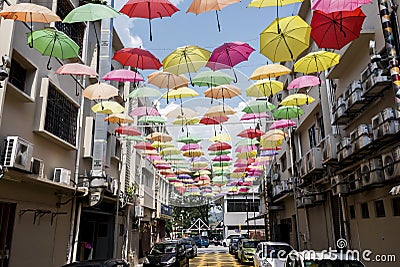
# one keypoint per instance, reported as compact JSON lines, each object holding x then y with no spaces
{"x":131,"y":192}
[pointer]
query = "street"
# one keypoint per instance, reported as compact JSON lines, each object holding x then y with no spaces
{"x":214,"y":256}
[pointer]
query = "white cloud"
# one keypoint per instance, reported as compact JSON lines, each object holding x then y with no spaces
{"x":176,"y":2}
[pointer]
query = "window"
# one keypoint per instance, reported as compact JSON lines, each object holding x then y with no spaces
{"x":22,"y":74}
{"x":284,"y":162}
{"x":364,"y":210}
{"x":380,"y":209}
{"x":352,"y":211}
{"x":311,"y":136}
{"x":396,"y":206}
{"x":321,"y":127}
{"x":241,"y":205}
{"x":61,"y":116}
{"x":17,"y":75}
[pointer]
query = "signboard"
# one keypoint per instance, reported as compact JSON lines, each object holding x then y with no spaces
{"x":95,"y":198}
{"x":166,"y":210}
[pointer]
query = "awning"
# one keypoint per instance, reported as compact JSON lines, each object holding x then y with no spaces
{"x":261,"y":216}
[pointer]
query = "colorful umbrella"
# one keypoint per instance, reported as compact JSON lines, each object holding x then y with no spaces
{"x":220,"y":180}
{"x":269,"y":3}
{"x":164,"y":79}
{"x":137,"y":58}
{"x":209,"y":120}
{"x":329,"y":6}
{"x":144,"y":146}
{"x":219,"y":152}
{"x":285,"y":39}
{"x":282,"y":123}
{"x":250,"y":133}
{"x":201,"y":6}
{"x":229,"y":55}
{"x":119,"y":118}
{"x":158,"y":144}
{"x":189,"y":140}
{"x":221,"y":138}
{"x":337,"y":29}
{"x":144,"y":111}
{"x":223,"y":91}
{"x":145,"y":91}
{"x":170,"y":151}
{"x":222,"y":158}
{"x":99,"y":91}
{"x":316,"y":62}
{"x":181,"y":92}
{"x":190,"y":147}
{"x":90,"y":12}
{"x":287,"y":112}
{"x":241,"y":149}
{"x":264,"y":88}
{"x":127,"y":130}
{"x":219,"y":146}
{"x":123,"y":75}
{"x":193,"y":153}
{"x":253,"y":116}
{"x":303,"y":82}
{"x":152,"y":119}
{"x":53,"y":43}
{"x":137,"y":138}
{"x":269,"y":71}
{"x":157,"y":136}
{"x":258,"y":107}
{"x":297,"y":100}
{"x":76,"y":69}
{"x":246,"y":155}
{"x":186,"y":121}
{"x":211,"y":78}
{"x":247,"y":141}
{"x":149,"y":9}
{"x":182,"y":113}
{"x":216,"y":111}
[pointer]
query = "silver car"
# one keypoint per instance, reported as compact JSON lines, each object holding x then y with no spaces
{"x":271,"y":254}
{"x":323,"y":259}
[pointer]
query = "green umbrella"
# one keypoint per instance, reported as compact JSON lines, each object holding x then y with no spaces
{"x":219,"y":152}
{"x":220,"y":180}
{"x":189,"y":140}
{"x":288,"y":112}
{"x":258,"y":107}
{"x":247,"y":142}
{"x":134,"y":138}
{"x":222,"y":164}
{"x":145,"y":91}
{"x":211,"y":78}
{"x":222,"y":172}
{"x":53,"y":43}
{"x":174,"y":157}
{"x":151,"y":119}
{"x":90,"y":12}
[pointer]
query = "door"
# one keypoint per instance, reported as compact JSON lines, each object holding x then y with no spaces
{"x":7,"y":216}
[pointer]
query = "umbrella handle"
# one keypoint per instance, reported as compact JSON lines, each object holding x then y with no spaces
{"x":31,"y":42}
{"x":219,"y":26}
{"x":76,"y":89}
{"x":236,"y":78}
{"x":48,"y":64}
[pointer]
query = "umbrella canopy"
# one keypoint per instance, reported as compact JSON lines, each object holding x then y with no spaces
{"x":247,"y":141}
{"x":264,"y":88}
{"x":135,"y":138}
{"x":223,"y":91}
{"x":100,"y":91}
{"x":108,"y":107}
{"x":329,"y":6}
{"x":282,"y":123}
{"x":269,"y":71}
{"x":90,"y":12}
{"x":186,"y":59}
{"x":158,"y":144}
{"x":268,"y":3}
{"x":149,"y":9}
{"x":258,"y":107}
{"x":193,"y":153}
{"x":253,"y":116}
{"x":189,"y":140}
{"x":181,"y":92}
{"x":220,"y":180}
{"x":246,"y":155}
{"x":182,"y":113}
{"x":222,"y":158}
{"x":190,"y":147}
{"x":287,"y":112}
{"x":152,"y":119}
{"x":127,"y":130}
{"x":304,"y":81}
{"x":119,"y":118}
{"x":241,"y":149}
{"x":170,"y":151}
{"x":144,"y":111}
{"x":28,"y":12}
{"x":219,"y":111}
{"x":137,"y":58}
{"x":285,"y":39}
{"x":157,"y":136}
{"x":220,"y":138}
{"x":337,"y":29}
{"x":250,"y":133}
{"x":144,"y":146}
{"x":145,"y":91}
{"x":76,"y":69}
{"x":316,"y":62}
{"x":123,"y":75}
{"x":186,"y":121}
{"x":53,"y":43}
{"x":164,"y":79}
{"x":211,"y":78}
{"x":297,"y":100}
{"x":219,"y":146}
{"x":213,"y":120}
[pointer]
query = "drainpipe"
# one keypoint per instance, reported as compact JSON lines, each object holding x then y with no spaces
{"x":390,"y":49}
{"x":294,"y":183}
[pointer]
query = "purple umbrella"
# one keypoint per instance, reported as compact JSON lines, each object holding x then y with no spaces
{"x":198,"y":159}
{"x":253,"y":116}
{"x":190,"y":147}
{"x":283,"y":123}
{"x":241,"y":149}
{"x":222,"y":158}
{"x":228,"y":55}
{"x":144,"y":111}
{"x":269,"y":153}
{"x":184,"y":176}
{"x":304,"y":81}
{"x":123,"y":75}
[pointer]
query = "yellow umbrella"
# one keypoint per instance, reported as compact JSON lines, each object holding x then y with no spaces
{"x":269,"y":71}
{"x":264,"y":88}
{"x":186,"y":121}
{"x":182,"y":113}
{"x":199,"y":164}
{"x":271,"y":142}
{"x":316,"y":62}
{"x":100,"y":91}
{"x":170,"y":151}
{"x":158,"y":144}
{"x":183,"y":171}
{"x":149,"y":152}
{"x":274,"y":132}
{"x":202,"y":172}
{"x":157,"y":136}
{"x":246,"y":155}
{"x":223,"y":91}
{"x":267,"y":3}
{"x":221,"y":138}
{"x":119,"y":118}
{"x":164,"y":79}
{"x":186,"y":59}
{"x":285,"y":39}
{"x":238,"y":174}
{"x":297,"y":100}
{"x":108,"y":107}
{"x":219,"y":111}
{"x":193,"y":153}
{"x":182,"y":92}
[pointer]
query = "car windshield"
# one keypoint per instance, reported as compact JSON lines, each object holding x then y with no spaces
{"x":278,"y":251}
{"x":332,"y":263}
{"x":250,"y":244}
{"x":234,"y":240}
{"x":163,"y":249}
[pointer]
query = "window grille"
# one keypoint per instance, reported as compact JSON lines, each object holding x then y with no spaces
{"x":17,"y":75}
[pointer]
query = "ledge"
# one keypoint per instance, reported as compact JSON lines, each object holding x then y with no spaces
{"x":22,"y":96}
{"x":51,"y":137}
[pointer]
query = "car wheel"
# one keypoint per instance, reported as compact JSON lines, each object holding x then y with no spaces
{"x":224,"y":244}
{"x":206,"y":246}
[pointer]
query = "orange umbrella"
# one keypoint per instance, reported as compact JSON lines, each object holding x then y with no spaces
{"x":223,"y":91}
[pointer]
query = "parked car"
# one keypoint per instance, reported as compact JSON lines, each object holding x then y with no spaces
{"x":167,"y":254}
{"x":271,"y":254}
{"x":246,"y":250}
{"x":322,"y":259}
{"x":226,"y":241}
{"x":99,"y":263}
{"x":233,"y":244}
{"x":201,"y":241}
{"x":216,"y":239}
{"x":191,"y":248}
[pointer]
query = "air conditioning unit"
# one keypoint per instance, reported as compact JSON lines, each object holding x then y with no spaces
{"x":372,"y":171}
{"x":340,"y":111}
{"x":354,"y":86}
{"x":361,"y":137}
{"x":355,"y":101}
{"x":62,"y":175}
{"x":376,"y":83}
{"x":344,"y":148}
{"x":285,"y":186}
{"x":354,"y":180}
{"x":391,"y":127}
{"x":391,"y":163}
{"x":328,"y":147}
{"x":17,"y":153}
{"x":37,"y":167}
{"x":339,"y":186}
{"x":376,"y":126}
{"x":276,"y":176}
{"x":139,"y":211}
{"x":369,"y":69}
{"x":277,"y":189}
{"x":301,"y":167}
{"x":304,"y":201}
{"x":314,"y":160}
{"x":319,"y":198}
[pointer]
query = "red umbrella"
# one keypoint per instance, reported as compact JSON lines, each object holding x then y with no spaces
{"x":144,"y":146}
{"x":250,"y":133}
{"x":228,"y":55}
{"x":127,"y":130}
{"x":337,"y":29}
{"x":78,"y":70}
{"x":222,"y":158}
{"x":219,"y":146}
{"x":213,"y":120}
{"x":137,"y":58}
{"x":149,"y":9}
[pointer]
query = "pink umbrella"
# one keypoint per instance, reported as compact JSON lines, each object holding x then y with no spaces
{"x":283,"y":123}
{"x":123,"y":75}
{"x":253,"y":116}
{"x":329,"y":6}
{"x":163,"y":166}
{"x":190,"y":147}
{"x":222,"y":158}
{"x":228,"y":55}
{"x":240,"y":164}
{"x":78,"y":70}
{"x":144,"y":111}
{"x":154,"y":157}
{"x":127,"y":130}
{"x":241,"y":149}
{"x":304,"y":81}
